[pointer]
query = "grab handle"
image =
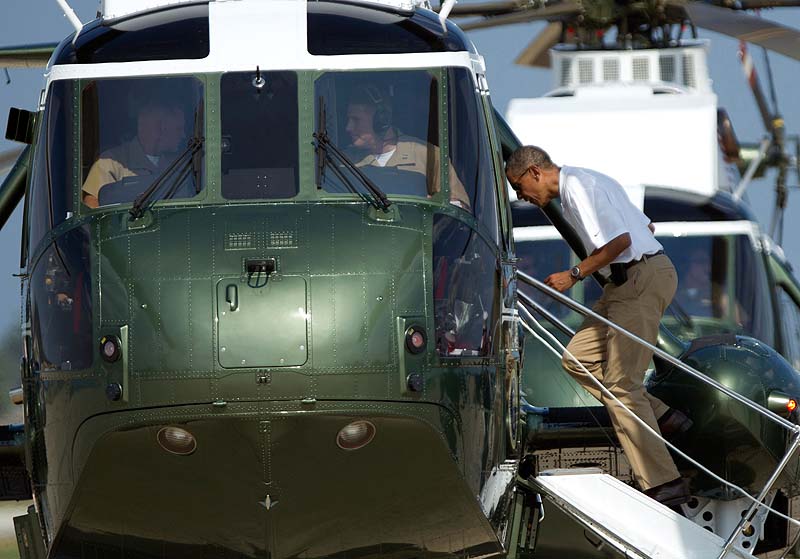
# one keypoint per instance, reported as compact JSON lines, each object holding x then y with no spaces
{"x":232,"y":296}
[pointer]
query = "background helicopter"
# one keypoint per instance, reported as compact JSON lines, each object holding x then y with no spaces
{"x":586,"y":22}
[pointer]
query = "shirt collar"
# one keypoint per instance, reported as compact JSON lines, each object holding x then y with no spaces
{"x":562,"y":179}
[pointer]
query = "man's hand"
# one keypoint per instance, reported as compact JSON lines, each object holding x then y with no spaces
{"x":90,"y":200}
{"x":560,"y":281}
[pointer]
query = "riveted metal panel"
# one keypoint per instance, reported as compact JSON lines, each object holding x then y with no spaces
{"x":266,"y":326}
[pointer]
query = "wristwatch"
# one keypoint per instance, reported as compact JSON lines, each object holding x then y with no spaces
{"x":575,"y":273}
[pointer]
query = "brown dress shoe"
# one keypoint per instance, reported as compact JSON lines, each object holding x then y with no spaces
{"x":673,"y":423}
{"x":672,"y":493}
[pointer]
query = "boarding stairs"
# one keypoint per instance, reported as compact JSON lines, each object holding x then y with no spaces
{"x":628,"y":524}
{"x":631,"y":524}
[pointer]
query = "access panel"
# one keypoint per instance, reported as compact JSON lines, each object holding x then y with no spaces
{"x":262,"y":323}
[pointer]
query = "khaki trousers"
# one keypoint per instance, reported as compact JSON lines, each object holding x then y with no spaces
{"x":619,"y":363}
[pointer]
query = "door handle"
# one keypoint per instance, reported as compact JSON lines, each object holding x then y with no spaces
{"x":232,"y":296}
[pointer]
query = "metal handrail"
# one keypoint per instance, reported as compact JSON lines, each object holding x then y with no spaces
{"x":585,"y":311}
{"x":795,"y":429}
{"x":551,"y":318}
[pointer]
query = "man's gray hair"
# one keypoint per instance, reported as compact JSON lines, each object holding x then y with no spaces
{"x":525,"y":157}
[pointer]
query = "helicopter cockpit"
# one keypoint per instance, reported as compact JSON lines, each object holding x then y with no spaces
{"x":724,"y":287}
{"x":134,"y":134}
{"x":149,"y":136}
{"x":723,"y":279}
{"x":121,"y":131}
{"x":146,"y":137}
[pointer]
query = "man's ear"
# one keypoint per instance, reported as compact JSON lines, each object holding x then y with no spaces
{"x":536,"y":171}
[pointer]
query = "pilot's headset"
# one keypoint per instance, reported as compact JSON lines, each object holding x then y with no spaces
{"x":382,"y":120}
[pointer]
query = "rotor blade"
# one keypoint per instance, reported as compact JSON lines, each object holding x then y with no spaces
{"x":7,"y":159}
{"x":536,"y":53}
{"x":12,"y":188}
{"x":485,"y":8}
{"x":765,"y":33}
{"x":26,"y":56}
{"x":750,"y":73}
{"x":759,"y":4}
{"x":776,"y":225}
{"x":525,"y":16}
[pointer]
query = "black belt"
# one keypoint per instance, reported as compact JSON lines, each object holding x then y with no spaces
{"x":642,"y":259}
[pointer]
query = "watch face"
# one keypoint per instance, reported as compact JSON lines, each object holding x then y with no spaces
{"x":575,"y":272}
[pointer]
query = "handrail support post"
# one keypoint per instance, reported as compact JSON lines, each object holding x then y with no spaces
{"x":748,"y":516}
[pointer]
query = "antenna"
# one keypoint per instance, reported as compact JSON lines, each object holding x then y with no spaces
{"x":70,"y":14}
{"x":259,"y":82}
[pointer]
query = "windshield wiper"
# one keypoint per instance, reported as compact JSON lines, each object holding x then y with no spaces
{"x":327,"y":151}
{"x":184,"y":159}
{"x":680,"y":313}
{"x":197,"y":161}
{"x":322,"y":151}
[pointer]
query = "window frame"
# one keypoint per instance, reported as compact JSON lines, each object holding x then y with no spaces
{"x":436,"y":74}
{"x":218,"y":193}
{"x":205,"y":101}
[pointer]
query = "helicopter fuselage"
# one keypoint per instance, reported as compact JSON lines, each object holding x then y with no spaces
{"x":235,"y":344}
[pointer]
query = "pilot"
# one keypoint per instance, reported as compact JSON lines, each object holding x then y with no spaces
{"x":615,"y":234}
{"x":160,"y":131}
{"x":376,"y":142}
{"x":694,"y":289}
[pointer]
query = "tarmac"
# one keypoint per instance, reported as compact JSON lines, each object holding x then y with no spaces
{"x":8,"y":541}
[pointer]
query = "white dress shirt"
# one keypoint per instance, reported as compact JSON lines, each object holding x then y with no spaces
{"x":599,"y":210}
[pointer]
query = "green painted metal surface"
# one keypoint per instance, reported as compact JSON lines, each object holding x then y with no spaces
{"x":261,"y":324}
{"x":264,"y":370}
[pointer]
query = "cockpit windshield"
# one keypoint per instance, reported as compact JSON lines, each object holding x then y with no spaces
{"x":391,"y":125}
{"x":722,"y":287}
{"x":140,"y":133}
{"x":722,"y":284}
{"x":138,"y":141}
{"x":387,"y":123}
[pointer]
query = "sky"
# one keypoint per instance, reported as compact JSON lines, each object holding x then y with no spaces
{"x":35,"y":21}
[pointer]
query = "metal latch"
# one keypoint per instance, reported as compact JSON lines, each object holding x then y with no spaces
{"x":258,"y":269}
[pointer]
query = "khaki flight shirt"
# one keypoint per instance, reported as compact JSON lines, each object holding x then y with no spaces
{"x":411,"y":155}
{"x":126,"y":160}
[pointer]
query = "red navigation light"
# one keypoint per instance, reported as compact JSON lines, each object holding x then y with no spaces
{"x":110,"y":348}
{"x":416,"y":339}
{"x":791,"y":405}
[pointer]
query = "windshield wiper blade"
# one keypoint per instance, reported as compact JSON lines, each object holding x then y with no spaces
{"x":366,"y":196}
{"x":193,"y":147}
{"x":328,"y":149}
{"x":322,"y":151}
{"x":197,"y":162}
{"x":680,"y":313}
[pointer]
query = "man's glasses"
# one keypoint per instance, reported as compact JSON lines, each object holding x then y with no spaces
{"x":515,"y":183}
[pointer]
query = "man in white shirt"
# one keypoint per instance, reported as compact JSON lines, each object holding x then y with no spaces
{"x":619,"y":240}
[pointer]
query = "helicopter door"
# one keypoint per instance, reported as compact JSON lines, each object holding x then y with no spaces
{"x":261,"y":320}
